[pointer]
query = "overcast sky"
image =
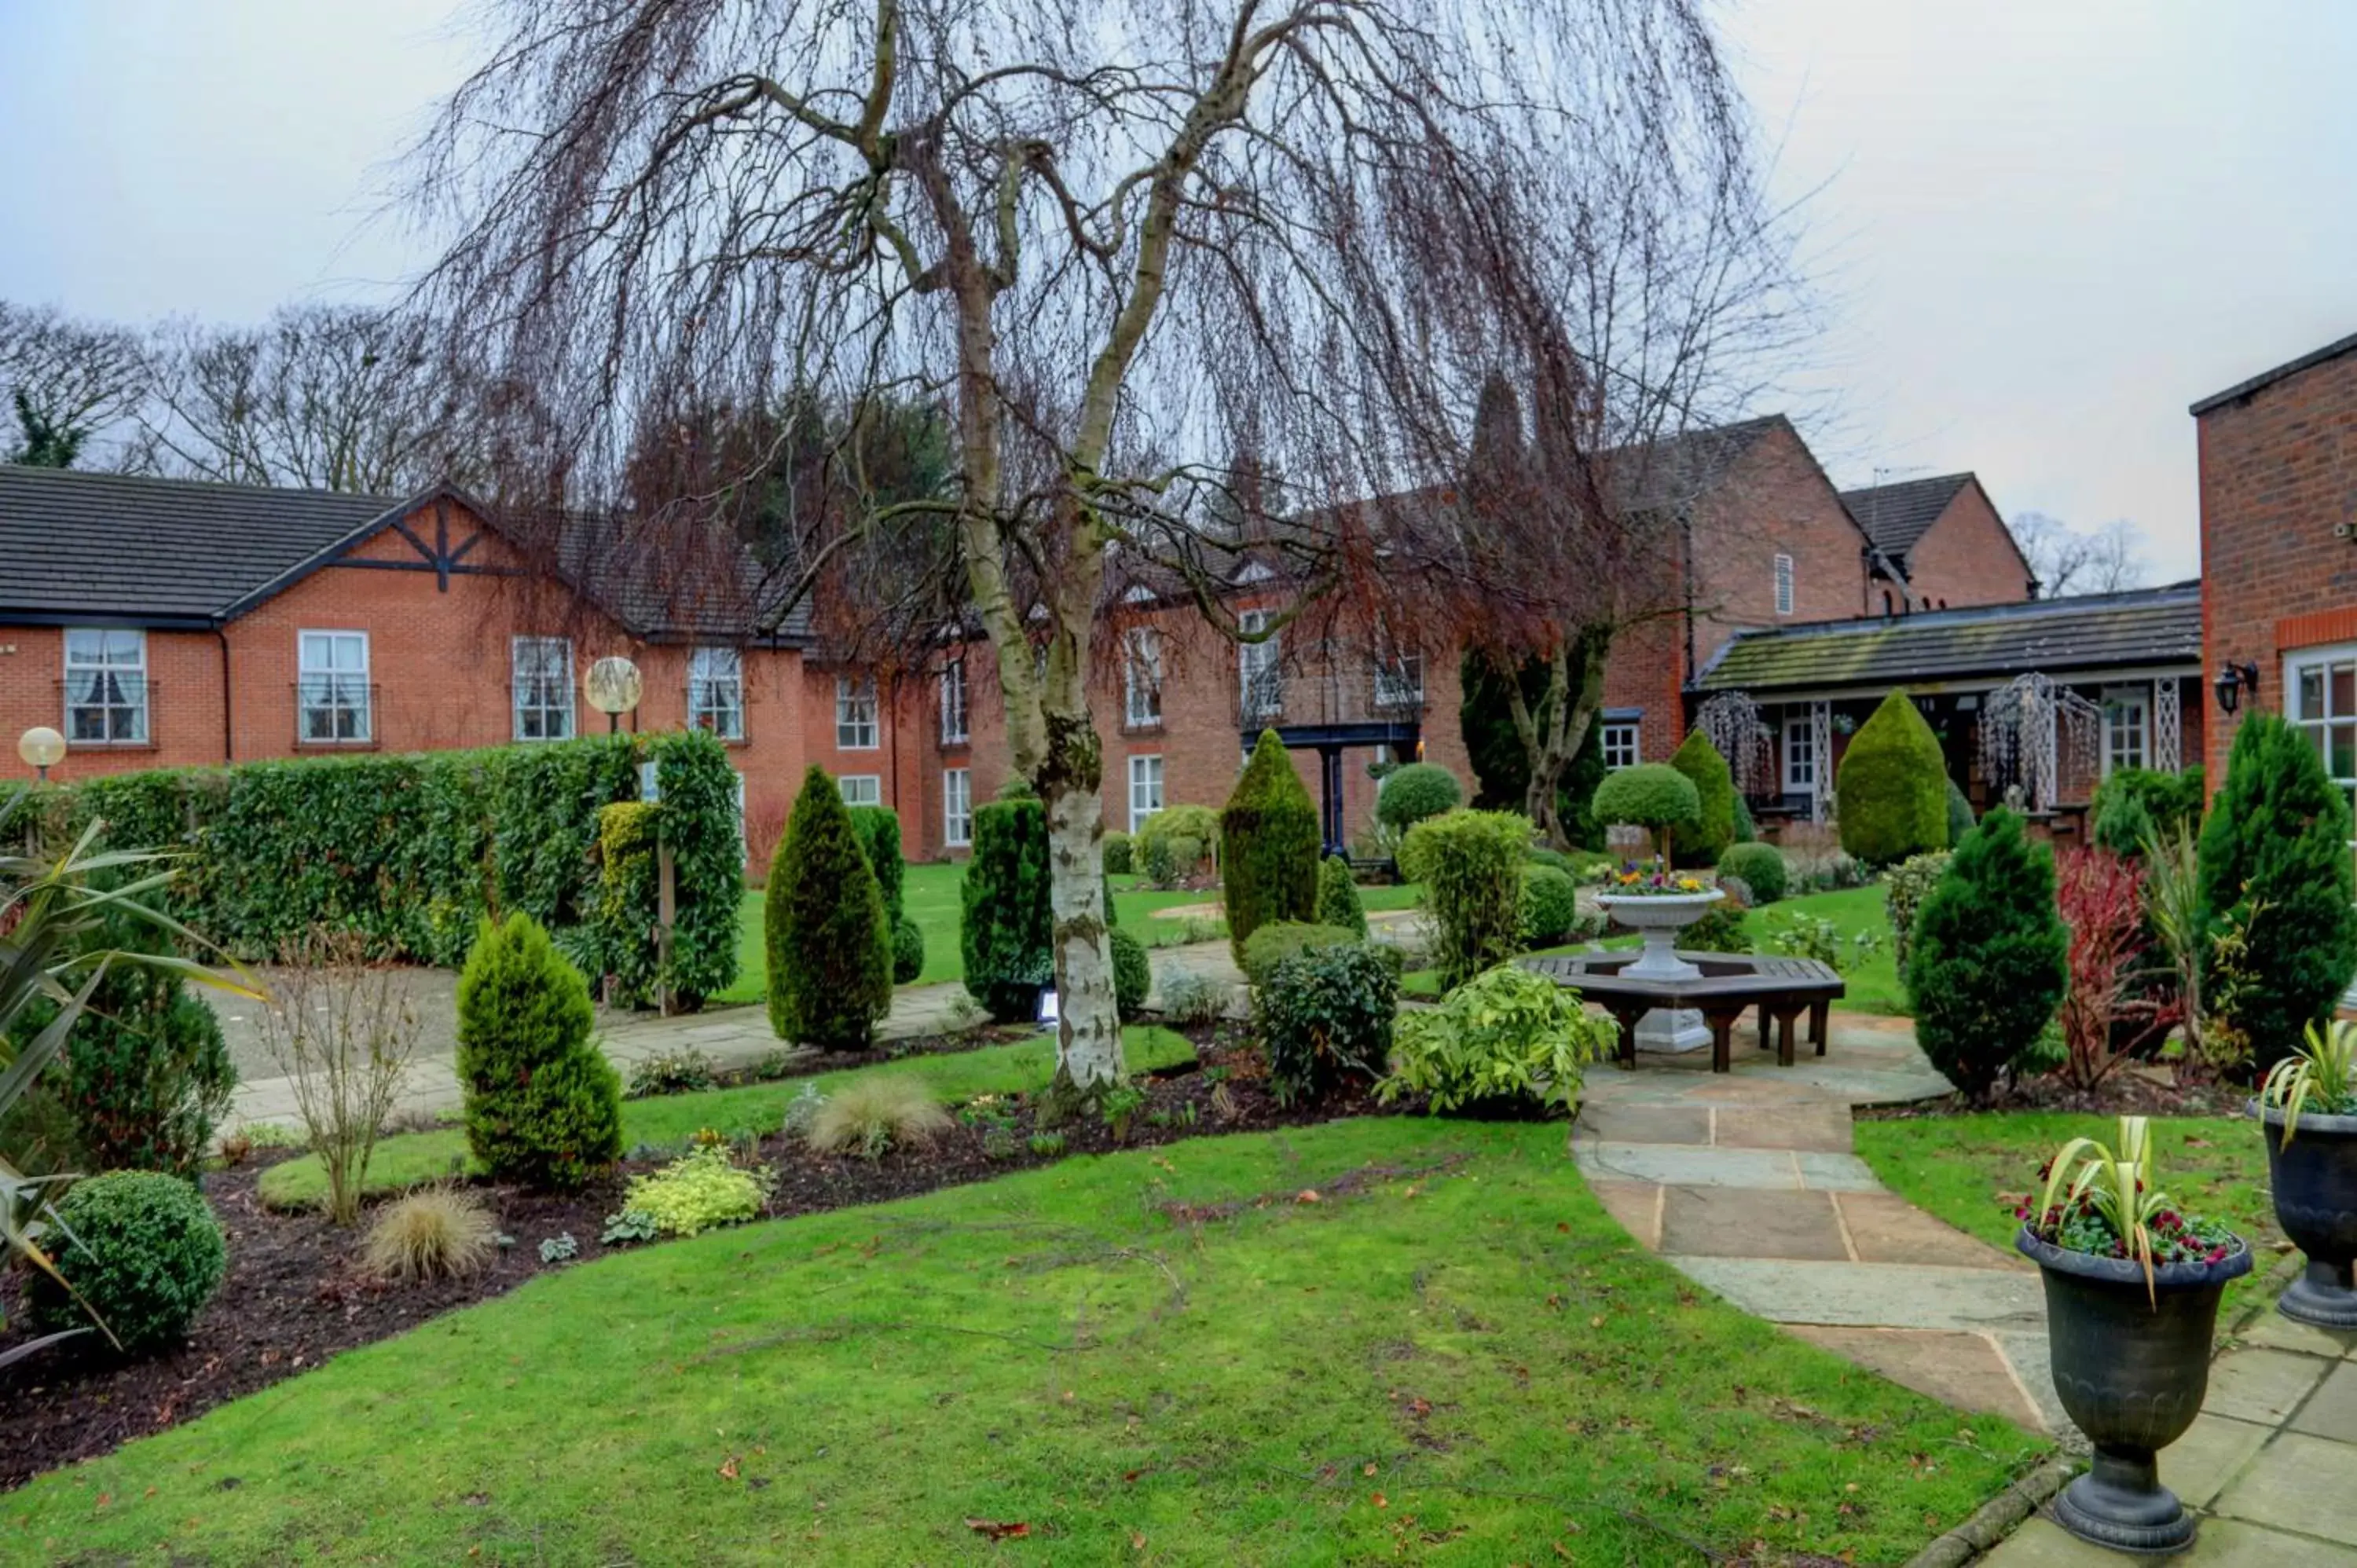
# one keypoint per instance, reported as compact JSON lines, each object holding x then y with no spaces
{"x":2039,"y":228}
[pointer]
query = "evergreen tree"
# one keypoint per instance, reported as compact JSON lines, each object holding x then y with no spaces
{"x":2275,"y":865}
{"x":1269,"y":845}
{"x":1700,"y":842}
{"x":1006,"y":926}
{"x":829,"y":944}
{"x":543,"y":1106}
{"x":1988,"y":960}
{"x":1502,"y":765}
{"x":1338,"y":904}
{"x":1892,"y":786}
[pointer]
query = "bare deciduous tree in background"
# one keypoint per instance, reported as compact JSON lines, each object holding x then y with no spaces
{"x":64,"y":381}
{"x":1118,"y":240}
{"x":2065,"y":561}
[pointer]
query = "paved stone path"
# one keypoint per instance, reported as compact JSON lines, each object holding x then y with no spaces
{"x":1746,"y":1184}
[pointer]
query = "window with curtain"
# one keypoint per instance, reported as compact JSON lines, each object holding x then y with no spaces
{"x":332,"y":688}
{"x":543,"y":678}
{"x":715,"y":691}
{"x":106,"y":686}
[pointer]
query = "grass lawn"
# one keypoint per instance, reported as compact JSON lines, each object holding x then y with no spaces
{"x":1973,"y":1170}
{"x":1022,"y":1067}
{"x":929,"y":895}
{"x":1453,"y":1356}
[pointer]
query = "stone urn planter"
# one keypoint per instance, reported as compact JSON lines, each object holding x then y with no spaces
{"x":2132,"y":1369}
{"x":1658,"y":918}
{"x":2314,"y":1175}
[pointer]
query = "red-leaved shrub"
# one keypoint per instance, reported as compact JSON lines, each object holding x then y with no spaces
{"x":2101,"y":900}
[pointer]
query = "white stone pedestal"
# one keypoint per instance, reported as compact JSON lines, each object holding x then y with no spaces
{"x":1659,"y":921}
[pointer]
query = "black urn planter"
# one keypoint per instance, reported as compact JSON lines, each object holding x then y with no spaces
{"x":2132,"y":1370}
{"x":2314,"y":1175}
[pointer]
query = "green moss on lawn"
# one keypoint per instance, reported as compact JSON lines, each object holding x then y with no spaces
{"x":1454,"y":1357}
{"x":1023,"y":1067}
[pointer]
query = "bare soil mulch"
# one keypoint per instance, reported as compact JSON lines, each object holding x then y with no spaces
{"x":296,"y":1294}
{"x":2133,"y":1091}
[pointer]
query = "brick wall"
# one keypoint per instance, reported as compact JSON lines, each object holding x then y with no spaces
{"x":1967,"y":557}
{"x":2278,"y":473}
{"x":1775,"y":501}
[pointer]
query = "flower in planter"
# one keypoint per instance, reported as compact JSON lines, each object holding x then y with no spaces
{"x":2114,"y":1207}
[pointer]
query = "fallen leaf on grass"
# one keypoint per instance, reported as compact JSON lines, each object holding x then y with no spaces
{"x":728,"y":1469}
{"x":1308,"y":1195}
{"x":998,"y":1530}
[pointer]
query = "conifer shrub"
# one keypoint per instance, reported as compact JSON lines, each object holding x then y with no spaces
{"x":1892,"y":787}
{"x":543,"y":1106}
{"x":145,"y":1256}
{"x":1700,"y":842}
{"x":2275,"y":872}
{"x":1132,"y":974}
{"x":1269,"y":845}
{"x":878,"y":831}
{"x":1652,"y":795}
{"x":1337,"y":896}
{"x":1471,"y":864}
{"x":1745,"y":829}
{"x":829,"y":941}
{"x":1006,"y":929}
{"x":1760,"y":868}
{"x":2135,"y":806}
{"x":1960,"y":813}
{"x":1415,"y":792}
{"x":1988,"y":958}
{"x":1550,"y":909}
{"x":908,"y":951}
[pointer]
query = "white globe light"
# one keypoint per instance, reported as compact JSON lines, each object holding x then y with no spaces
{"x":613,"y":686}
{"x":42,"y":747}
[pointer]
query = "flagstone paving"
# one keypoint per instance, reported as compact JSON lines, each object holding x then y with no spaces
{"x":1745,"y":1181}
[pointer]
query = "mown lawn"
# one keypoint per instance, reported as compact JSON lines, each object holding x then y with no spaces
{"x":929,"y":897}
{"x":1973,"y":1170}
{"x":1023,"y":1067}
{"x":1371,"y":1340}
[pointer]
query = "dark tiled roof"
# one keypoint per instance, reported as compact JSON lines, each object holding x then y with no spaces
{"x":112,"y":544}
{"x":2290,"y":368}
{"x":1660,"y":475}
{"x":1896,"y":517}
{"x":678,"y":581}
{"x":2096,"y":631}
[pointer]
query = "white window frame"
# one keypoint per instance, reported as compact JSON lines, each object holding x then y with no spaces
{"x":120,"y":710}
{"x":716,"y":690}
{"x":333,"y":690}
{"x":957,"y":807}
{"x":854,"y":714}
{"x":1784,"y":583}
{"x":954,"y":731}
{"x":2320,"y":725}
{"x":525,"y":699}
{"x":2119,"y":701}
{"x":1623,"y":741}
{"x":1145,"y":788}
{"x":1142,"y":678}
{"x":1260,"y":689}
{"x":861,"y":788}
{"x":1800,"y":752}
{"x":1399,"y":681}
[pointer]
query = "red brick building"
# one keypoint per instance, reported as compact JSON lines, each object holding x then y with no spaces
{"x":2278,"y":456}
{"x":1944,"y":536}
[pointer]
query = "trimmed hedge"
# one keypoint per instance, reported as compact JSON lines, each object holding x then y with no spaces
{"x":1118,"y":858}
{"x":1652,"y":795}
{"x":146,"y":1255}
{"x":1700,"y":842}
{"x":878,"y":831}
{"x":1282,"y":940}
{"x":1005,"y":928}
{"x":1418,"y":791}
{"x":1550,"y":906}
{"x":1891,"y":789}
{"x":414,"y":851}
{"x":1269,"y":845}
{"x":1174,"y":843}
{"x":1471,"y":864}
{"x":829,"y":940}
{"x":630,"y":904}
{"x":1133,"y":973}
{"x":1760,"y":866}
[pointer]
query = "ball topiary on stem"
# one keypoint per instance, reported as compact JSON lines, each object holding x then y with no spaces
{"x":1652,"y":796}
{"x":543,"y":1106}
{"x":1415,"y":792}
{"x":1269,"y":843}
{"x":1698,"y":842}
{"x":1988,"y":958}
{"x":1892,"y":787}
{"x":2274,"y":868}
{"x":830,"y":943}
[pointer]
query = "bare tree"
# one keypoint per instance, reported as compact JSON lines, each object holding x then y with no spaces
{"x":325,"y":397}
{"x":2065,"y":561}
{"x":64,"y":380}
{"x":1119,"y":239}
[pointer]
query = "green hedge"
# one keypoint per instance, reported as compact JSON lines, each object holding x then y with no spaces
{"x":413,"y":852}
{"x":630,"y":902}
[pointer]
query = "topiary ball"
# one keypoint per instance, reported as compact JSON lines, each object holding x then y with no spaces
{"x":1760,"y":868}
{"x":1649,"y":795}
{"x":1414,"y":792}
{"x":1550,"y":907}
{"x":1133,"y":976}
{"x":908,"y":951}
{"x":146,"y":1255}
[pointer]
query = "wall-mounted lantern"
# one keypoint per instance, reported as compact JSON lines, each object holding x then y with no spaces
{"x":2233,"y":680}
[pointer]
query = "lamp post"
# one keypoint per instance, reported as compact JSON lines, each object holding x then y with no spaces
{"x":43,"y":748}
{"x":613,"y":688}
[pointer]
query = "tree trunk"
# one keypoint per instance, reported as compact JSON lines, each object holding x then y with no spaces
{"x":1552,"y":733}
{"x":1088,"y":1043}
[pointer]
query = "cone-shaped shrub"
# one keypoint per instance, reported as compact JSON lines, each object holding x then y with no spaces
{"x":544,"y":1105}
{"x":1987,"y":963}
{"x":1006,"y":929}
{"x":1891,"y":789}
{"x":830,"y":946}
{"x":1269,"y":842}
{"x":878,"y":831}
{"x":1337,"y":897}
{"x":2275,"y":866}
{"x":1700,"y":842}
{"x":1133,"y":973}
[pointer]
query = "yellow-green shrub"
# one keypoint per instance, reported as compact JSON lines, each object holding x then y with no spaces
{"x":698,"y":1191}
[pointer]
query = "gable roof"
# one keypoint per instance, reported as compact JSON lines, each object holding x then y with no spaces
{"x":2089,"y":632}
{"x":2284,"y":372}
{"x":1897,"y":516}
{"x":132,"y":550}
{"x":1657,"y":475}
{"x":158,"y":552}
